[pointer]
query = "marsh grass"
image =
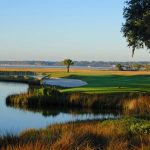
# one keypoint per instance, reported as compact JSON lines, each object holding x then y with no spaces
{"x":62,"y":71}
{"x":111,"y":134}
{"x":139,"y":105}
{"x":49,"y":97}
{"x":21,"y":79}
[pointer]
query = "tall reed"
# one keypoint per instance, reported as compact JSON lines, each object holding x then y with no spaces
{"x":107,"y":135}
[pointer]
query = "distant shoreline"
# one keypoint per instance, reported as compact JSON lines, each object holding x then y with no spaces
{"x":19,"y":80}
{"x":61,"y":67}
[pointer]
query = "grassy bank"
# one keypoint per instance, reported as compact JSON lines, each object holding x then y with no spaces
{"x":20,"y":79}
{"x":45,"y":97}
{"x":102,"y":92}
{"x":125,"y":133}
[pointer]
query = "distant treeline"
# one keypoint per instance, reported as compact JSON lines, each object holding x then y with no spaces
{"x":76,"y":63}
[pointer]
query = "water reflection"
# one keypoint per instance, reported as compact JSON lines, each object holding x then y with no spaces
{"x":54,"y":111}
{"x":14,"y":119}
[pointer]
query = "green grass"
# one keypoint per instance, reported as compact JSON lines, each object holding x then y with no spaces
{"x":109,"y":83}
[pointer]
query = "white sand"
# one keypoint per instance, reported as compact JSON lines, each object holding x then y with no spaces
{"x":64,"y":82}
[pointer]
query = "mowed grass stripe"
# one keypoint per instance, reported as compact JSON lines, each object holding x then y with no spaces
{"x":112,"y":83}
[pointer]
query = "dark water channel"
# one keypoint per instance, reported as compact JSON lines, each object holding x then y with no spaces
{"x":14,"y":120}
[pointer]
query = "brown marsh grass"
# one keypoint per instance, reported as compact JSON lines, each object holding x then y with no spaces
{"x":77,"y":70}
{"x":139,"y":105}
{"x":105,"y":135}
{"x":128,"y":102}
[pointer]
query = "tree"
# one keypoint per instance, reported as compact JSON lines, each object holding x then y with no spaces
{"x":137,"y":24}
{"x":68,"y":63}
{"x":119,"y":67}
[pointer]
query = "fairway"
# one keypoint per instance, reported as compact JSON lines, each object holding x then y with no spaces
{"x":112,"y":83}
{"x":99,"y":81}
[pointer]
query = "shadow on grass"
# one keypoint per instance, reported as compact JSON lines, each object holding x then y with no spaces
{"x":140,"y":83}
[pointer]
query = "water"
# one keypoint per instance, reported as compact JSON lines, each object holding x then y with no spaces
{"x":38,"y":66}
{"x":14,"y":120}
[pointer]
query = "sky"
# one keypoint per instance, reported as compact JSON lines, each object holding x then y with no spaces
{"x":53,"y":30}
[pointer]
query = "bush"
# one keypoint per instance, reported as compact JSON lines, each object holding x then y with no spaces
{"x":140,"y":128}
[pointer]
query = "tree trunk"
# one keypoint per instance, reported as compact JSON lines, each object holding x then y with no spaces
{"x":68,"y":68}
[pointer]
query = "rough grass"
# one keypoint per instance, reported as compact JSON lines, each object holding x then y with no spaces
{"x":62,"y":71}
{"x":122,"y":134}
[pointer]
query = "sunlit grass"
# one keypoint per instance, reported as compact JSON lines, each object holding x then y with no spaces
{"x":120,"y":134}
{"x":112,"y":83}
{"x":98,"y":81}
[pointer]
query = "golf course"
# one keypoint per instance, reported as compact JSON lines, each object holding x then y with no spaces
{"x":123,"y":91}
{"x":75,"y":75}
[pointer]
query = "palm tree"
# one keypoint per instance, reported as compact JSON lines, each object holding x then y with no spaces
{"x":68,"y":63}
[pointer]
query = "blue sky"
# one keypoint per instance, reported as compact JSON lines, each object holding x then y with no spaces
{"x":58,"y":29}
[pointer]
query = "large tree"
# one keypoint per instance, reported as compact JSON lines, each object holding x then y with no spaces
{"x":68,"y":63}
{"x":137,"y":23}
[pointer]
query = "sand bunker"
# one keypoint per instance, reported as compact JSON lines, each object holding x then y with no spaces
{"x":64,"y":82}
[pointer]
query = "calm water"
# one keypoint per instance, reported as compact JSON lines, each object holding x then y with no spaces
{"x":37,"y":66}
{"x":14,"y":120}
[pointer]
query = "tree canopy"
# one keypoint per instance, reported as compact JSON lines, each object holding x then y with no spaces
{"x":67,"y":63}
{"x":137,"y":23}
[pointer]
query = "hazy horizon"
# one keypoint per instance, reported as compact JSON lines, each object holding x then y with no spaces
{"x":55,"y":30}
{"x":78,"y":60}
